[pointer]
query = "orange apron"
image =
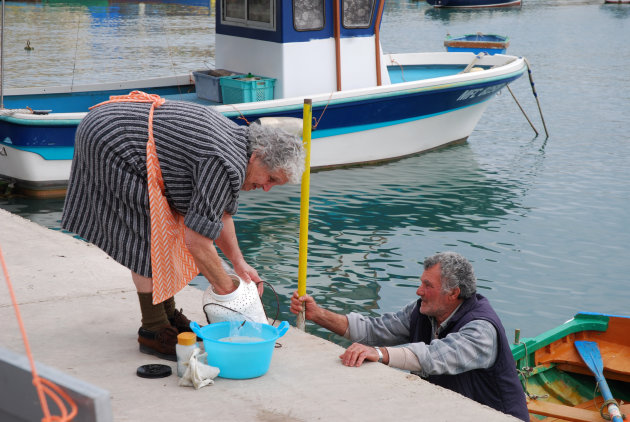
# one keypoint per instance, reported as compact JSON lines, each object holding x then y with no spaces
{"x":172,"y":264}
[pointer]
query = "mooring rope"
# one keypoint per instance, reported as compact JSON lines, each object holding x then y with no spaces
{"x":531,"y":82}
{"x":316,"y":121}
{"x":76,"y":48}
{"x":603,"y":409}
{"x":525,"y":372}
{"x":170,"y":56}
{"x":242,"y":116}
{"x":522,"y":111}
{"x":402,"y":70}
{"x":43,"y":386}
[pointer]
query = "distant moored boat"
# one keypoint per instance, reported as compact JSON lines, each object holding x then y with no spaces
{"x":477,"y":43}
{"x":474,"y":3}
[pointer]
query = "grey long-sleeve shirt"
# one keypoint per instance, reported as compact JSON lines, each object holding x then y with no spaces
{"x":474,"y":346}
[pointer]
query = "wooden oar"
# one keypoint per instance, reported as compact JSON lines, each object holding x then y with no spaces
{"x":589,"y":352}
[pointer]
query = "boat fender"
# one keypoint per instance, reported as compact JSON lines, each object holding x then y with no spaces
{"x":293,"y":125}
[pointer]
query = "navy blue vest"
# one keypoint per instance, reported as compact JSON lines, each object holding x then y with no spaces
{"x":498,"y":386}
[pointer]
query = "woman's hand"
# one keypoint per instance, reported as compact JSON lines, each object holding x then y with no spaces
{"x":248,"y":274}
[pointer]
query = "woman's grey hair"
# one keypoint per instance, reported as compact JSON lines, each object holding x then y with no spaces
{"x":278,"y":150}
{"x":455,"y":271}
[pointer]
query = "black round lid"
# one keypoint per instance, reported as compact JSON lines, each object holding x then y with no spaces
{"x":154,"y":370}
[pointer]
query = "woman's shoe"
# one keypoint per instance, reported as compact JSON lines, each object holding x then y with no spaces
{"x":180,"y":322}
{"x":160,"y":343}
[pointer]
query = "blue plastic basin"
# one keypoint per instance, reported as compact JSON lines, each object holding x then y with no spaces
{"x":240,"y":360}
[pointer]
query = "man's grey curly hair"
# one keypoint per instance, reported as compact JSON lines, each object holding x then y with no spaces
{"x":278,"y":150}
{"x":455,"y":271}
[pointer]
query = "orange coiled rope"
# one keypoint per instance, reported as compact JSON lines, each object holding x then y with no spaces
{"x":43,"y":386}
{"x":172,"y":264}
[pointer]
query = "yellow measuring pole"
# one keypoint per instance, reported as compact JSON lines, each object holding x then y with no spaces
{"x":304,"y":204}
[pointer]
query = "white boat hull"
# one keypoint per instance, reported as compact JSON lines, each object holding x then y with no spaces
{"x":367,"y":146}
{"x":32,"y":171}
{"x":395,"y":141}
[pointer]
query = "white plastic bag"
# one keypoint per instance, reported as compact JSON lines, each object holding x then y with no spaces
{"x":198,"y":374}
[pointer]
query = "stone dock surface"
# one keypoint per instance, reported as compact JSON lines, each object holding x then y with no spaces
{"x":81,"y":314}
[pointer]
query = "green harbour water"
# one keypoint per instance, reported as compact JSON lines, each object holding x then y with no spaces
{"x":543,"y":220}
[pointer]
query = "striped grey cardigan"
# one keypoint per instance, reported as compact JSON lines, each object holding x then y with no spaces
{"x":203,"y":157}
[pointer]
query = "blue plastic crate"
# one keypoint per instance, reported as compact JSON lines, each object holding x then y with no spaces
{"x":207,"y":83}
{"x":236,"y":89}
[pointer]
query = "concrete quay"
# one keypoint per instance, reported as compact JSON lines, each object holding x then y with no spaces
{"x":81,"y":314}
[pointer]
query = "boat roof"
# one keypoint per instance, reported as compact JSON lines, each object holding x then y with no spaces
{"x":298,"y":20}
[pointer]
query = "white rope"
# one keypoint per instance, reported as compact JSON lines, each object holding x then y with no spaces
{"x":12,"y":111}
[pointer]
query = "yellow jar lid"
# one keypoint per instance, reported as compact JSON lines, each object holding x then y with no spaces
{"x":186,"y":339}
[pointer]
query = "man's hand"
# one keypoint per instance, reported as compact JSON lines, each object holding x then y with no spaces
{"x":304,"y":303}
{"x":357,"y":353}
{"x":334,"y":322}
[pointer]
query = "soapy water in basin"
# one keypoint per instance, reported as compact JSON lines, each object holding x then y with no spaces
{"x":241,"y":339}
{"x":252,"y":334}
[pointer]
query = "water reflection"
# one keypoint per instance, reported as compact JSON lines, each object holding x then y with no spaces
{"x":45,"y":212}
{"x":371,"y":227}
{"x":364,"y":223}
{"x":621,"y":11}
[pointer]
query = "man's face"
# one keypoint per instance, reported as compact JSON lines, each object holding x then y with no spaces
{"x":258,"y":176}
{"x":435,"y":303}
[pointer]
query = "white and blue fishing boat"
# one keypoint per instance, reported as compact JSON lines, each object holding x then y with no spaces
{"x":369,"y":106}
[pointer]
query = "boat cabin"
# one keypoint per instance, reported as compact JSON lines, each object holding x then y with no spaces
{"x":308,"y":46}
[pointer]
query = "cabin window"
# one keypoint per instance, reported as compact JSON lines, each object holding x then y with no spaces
{"x":251,"y":13}
{"x":308,"y":15}
{"x":358,"y":13}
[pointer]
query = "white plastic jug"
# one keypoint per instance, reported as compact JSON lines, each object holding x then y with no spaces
{"x":242,"y":304}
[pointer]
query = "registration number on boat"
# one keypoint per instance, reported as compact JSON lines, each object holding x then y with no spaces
{"x":478,"y":92}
